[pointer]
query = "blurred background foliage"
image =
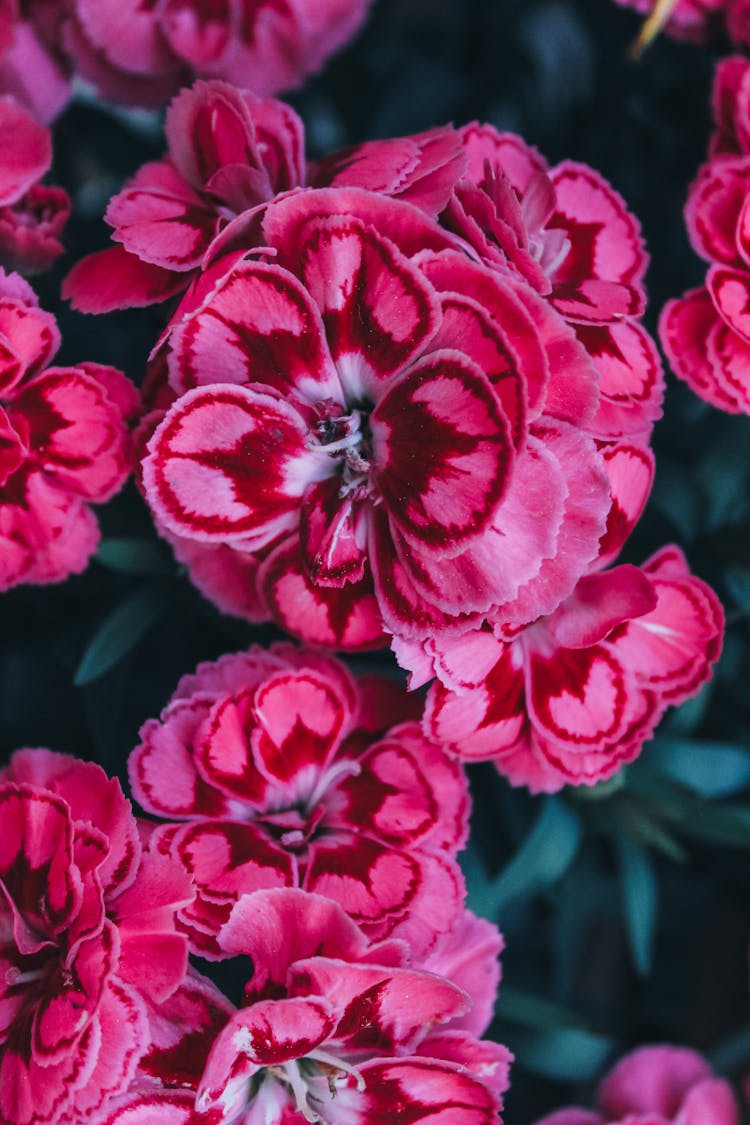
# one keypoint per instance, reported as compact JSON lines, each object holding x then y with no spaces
{"x":626,"y":909}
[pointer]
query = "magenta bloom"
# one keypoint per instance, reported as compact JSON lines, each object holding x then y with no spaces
{"x":657,"y":1086}
{"x":364,"y":423}
{"x":32,"y":217}
{"x":706,"y":333}
{"x":63,"y":443}
{"x":573,"y":697}
{"x":288,"y":772}
{"x":89,"y":943}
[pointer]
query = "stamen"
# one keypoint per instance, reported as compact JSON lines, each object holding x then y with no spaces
{"x":347,"y":767}
{"x":301,"y":1093}
{"x":338,"y":1065}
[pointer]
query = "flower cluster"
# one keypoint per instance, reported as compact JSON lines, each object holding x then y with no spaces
{"x":64,"y":442}
{"x":306,"y":836}
{"x":406,"y":397}
{"x":661,"y":1086}
{"x":142,"y":54}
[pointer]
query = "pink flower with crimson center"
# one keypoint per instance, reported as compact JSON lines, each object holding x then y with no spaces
{"x":285,"y":771}
{"x":89,"y":944}
{"x":573,"y":697}
{"x":334,"y":1029}
{"x":389,"y":433}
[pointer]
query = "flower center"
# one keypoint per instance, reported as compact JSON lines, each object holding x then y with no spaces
{"x":314,"y":1082}
{"x":347,"y":438}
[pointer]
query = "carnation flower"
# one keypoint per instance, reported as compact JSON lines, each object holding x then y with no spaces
{"x":89,"y":943}
{"x":706,"y":333}
{"x":392,"y":435}
{"x":289,"y":772}
{"x":658,"y":1086}
{"x":334,"y":1029}
{"x":63,"y":443}
{"x":573,"y":697}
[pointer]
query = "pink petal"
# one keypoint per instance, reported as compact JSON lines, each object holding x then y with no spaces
{"x":333,"y":534}
{"x":127,"y":34}
{"x":713,"y":209}
{"x":371,"y":881}
{"x":378,"y":309}
{"x":343,"y":618}
{"x":259,"y":326}
{"x":685,"y":327}
{"x":422,"y":1091}
{"x":299,"y":723}
{"x":605,"y":239}
{"x":443,"y":451}
{"x":468,"y":955}
{"x":228,"y":462}
{"x":631,"y":382}
{"x":113,"y":279}
{"x":630,"y":469}
{"x":166,"y":751}
{"x":599,"y":603}
{"x":160,"y":219}
{"x":730,"y":291}
{"x":651,"y":1079}
{"x":280,"y":927}
{"x":209,"y":127}
{"x":26,"y":148}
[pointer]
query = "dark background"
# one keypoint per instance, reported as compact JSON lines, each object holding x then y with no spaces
{"x":555,"y":71}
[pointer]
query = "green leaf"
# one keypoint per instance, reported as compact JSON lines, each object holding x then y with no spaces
{"x":523,"y":1008}
{"x":639,"y":891}
{"x":545,"y":854}
{"x":728,"y":825}
{"x":710,"y":769}
{"x":567,"y":1055}
{"x":648,"y":830}
{"x":120,"y":632}
{"x":134,"y":556}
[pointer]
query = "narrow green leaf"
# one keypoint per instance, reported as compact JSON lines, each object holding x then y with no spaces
{"x":567,"y":1055}
{"x":711,"y":769}
{"x":133,"y":556}
{"x":534,"y":1012}
{"x":120,"y":632}
{"x":649,"y":831}
{"x":639,"y":891}
{"x":732,"y":1055}
{"x":545,"y":854}
{"x":721,"y":824}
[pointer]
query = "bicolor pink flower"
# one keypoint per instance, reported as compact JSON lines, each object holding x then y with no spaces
{"x":657,"y":1086}
{"x":573,"y":697}
{"x":706,"y":333}
{"x":89,"y":943}
{"x":31,"y":216}
{"x":335,"y":1029}
{"x":64,"y":443}
{"x":230,"y":152}
{"x":569,"y":234}
{"x":288,"y":772}
{"x":374,"y":424}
